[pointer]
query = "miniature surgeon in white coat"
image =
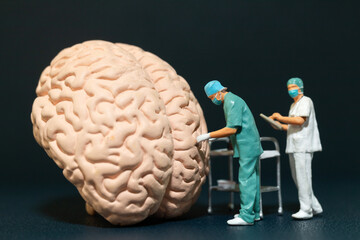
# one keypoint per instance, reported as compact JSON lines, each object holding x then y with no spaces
{"x":303,"y":140}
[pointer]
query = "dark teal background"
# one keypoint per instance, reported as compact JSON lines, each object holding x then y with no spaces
{"x":252,"y":47}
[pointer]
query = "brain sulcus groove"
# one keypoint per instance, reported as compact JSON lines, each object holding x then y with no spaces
{"x":122,"y":125}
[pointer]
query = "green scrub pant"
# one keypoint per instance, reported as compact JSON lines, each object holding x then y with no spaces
{"x":249,"y":184}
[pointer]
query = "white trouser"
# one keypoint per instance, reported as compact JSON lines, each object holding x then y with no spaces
{"x":300,"y":164}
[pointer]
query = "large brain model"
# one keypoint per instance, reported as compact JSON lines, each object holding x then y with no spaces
{"x":122,"y":125}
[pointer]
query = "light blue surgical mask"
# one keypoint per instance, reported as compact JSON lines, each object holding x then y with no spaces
{"x":216,"y":101}
{"x":293,"y":93}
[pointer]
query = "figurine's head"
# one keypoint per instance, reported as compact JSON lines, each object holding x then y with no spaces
{"x":214,"y":90}
{"x":295,"y":87}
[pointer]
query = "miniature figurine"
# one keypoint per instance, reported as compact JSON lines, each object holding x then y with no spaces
{"x":302,"y":141}
{"x":244,"y":136}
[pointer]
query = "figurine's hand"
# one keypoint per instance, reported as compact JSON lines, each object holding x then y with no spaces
{"x":274,"y":126}
{"x":275,"y":116}
{"x":203,"y":137}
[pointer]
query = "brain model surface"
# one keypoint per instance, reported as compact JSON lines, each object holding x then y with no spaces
{"x":122,"y":125}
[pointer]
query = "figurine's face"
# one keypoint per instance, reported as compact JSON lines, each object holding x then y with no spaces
{"x":215,"y":95}
{"x":292,"y":87}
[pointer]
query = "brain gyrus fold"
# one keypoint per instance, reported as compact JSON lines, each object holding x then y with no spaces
{"x":122,"y":125}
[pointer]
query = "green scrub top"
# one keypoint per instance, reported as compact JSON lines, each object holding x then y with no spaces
{"x":246,"y":140}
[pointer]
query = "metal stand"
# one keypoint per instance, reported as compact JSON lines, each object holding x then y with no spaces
{"x":229,"y":153}
{"x":271,"y":154}
{"x":217,"y":153}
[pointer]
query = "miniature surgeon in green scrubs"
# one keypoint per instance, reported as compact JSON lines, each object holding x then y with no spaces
{"x":244,"y":136}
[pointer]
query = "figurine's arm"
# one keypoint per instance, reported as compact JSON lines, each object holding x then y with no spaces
{"x":224,"y":132}
{"x":284,"y":127}
{"x":288,"y":120}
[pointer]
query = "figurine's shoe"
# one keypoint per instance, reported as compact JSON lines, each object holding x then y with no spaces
{"x":317,"y":211}
{"x":256,"y":219}
{"x":302,"y":215}
{"x":238,"y":222}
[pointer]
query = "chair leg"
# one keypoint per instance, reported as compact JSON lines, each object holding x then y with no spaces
{"x":261,"y":207}
{"x":280,"y":210}
{"x":210,"y":188}
{"x":231,"y":177}
{"x":210,"y":206}
{"x":231,"y":203}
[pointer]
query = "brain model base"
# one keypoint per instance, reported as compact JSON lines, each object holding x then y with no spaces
{"x":122,"y":125}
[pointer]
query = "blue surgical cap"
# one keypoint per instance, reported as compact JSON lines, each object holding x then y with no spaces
{"x":212,"y":87}
{"x":298,"y":82}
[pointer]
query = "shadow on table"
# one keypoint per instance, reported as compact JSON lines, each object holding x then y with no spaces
{"x":268,"y":209}
{"x":71,"y":209}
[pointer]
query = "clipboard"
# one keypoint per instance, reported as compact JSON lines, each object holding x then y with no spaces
{"x":276,"y":125}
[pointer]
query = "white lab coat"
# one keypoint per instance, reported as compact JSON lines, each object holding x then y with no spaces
{"x":304,"y":138}
{"x":301,"y":142}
